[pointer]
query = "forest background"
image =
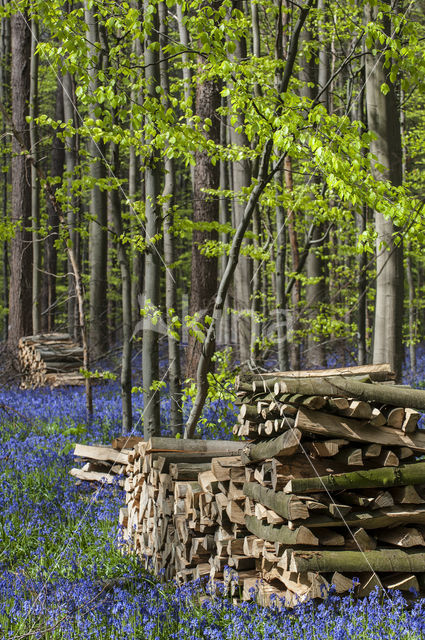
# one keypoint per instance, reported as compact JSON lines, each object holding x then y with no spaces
{"x":240,"y":178}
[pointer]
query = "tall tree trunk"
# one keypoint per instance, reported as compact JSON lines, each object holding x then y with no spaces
{"x":135,"y":192}
{"x":224,"y":218}
{"x":241,"y":180}
{"x":205,"y":209}
{"x":173,"y":337}
{"x":384,"y":122}
{"x":314,"y":293}
{"x":20,"y":295}
{"x":50,"y":251}
{"x":294,"y":342}
{"x":98,"y":205}
{"x":71,"y":158}
{"x":35,"y":187}
{"x":150,"y":362}
{"x":409,"y":264}
{"x":280,"y":288}
{"x":5,"y":164}
{"x":124,"y":262}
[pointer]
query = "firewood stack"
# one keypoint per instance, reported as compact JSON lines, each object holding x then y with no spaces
{"x":330,"y":486}
{"x":51,"y":359}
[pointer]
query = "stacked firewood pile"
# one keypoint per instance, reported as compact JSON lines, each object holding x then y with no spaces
{"x":329,"y":486}
{"x":52,"y":359}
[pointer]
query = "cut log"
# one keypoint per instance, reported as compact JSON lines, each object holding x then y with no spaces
{"x":327,"y":448}
{"x":283,"y":446}
{"x":376,"y":372}
{"x":282,"y":534}
{"x":363,"y":541}
{"x":406,"y":495}
{"x":382,"y":477}
{"x":209,"y":448}
{"x":410,"y":421}
{"x":377,"y":419}
{"x":288,"y":506}
{"x":382,"y":500}
{"x":125,"y":442}
{"x":381,"y":393}
{"x":338,"y":404}
{"x":372,"y":450}
{"x":356,"y":430}
{"x":350,"y":456}
{"x":393,"y":415}
{"x":401,"y":537}
{"x":389,"y":517}
{"x":341,"y":583}
{"x":100,"y":453}
{"x":358,"y":409}
{"x":385,"y":560}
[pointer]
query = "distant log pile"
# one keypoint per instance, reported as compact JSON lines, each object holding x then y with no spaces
{"x":331,"y":486}
{"x":52,"y":359}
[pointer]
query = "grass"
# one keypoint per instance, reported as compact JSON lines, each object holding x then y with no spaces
{"x":62,"y":574}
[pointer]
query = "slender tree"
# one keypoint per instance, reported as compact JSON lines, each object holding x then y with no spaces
{"x":205,"y":210}
{"x":170,"y":253}
{"x":5,"y":157}
{"x":35,"y":187}
{"x":50,"y":250}
{"x":98,"y":207}
{"x":20,"y":294}
{"x":153,"y":226}
{"x":384,"y":121}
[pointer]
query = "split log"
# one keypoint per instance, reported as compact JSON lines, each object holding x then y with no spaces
{"x":100,"y":453}
{"x":401,"y":537}
{"x":209,"y":448}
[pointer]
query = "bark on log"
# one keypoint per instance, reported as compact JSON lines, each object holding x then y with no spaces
{"x":281,"y":534}
{"x":356,"y":430}
{"x":371,"y":519}
{"x":284,"y":445}
{"x":386,"y":560}
{"x":287,"y":506}
{"x":377,"y":372}
{"x":381,"y":393}
{"x":408,"y":474}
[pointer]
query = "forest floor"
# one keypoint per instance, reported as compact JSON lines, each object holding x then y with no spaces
{"x":63,"y":576}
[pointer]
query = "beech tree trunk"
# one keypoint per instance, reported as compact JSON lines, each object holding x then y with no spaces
{"x":35,"y":187}
{"x":124,"y":262}
{"x":5,"y":164}
{"x":71,"y":157}
{"x":152,"y":262}
{"x":20,"y":294}
{"x":241,"y":180}
{"x":170,"y":255}
{"x":205,"y":210}
{"x":384,"y":122}
{"x":50,"y":251}
{"x":98,"y":206}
